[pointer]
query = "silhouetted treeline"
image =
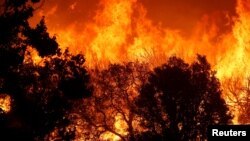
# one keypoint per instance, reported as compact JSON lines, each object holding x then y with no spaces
{"x":181,"y":100}
{"x":175,"y":101}
{"x":41,"y":95}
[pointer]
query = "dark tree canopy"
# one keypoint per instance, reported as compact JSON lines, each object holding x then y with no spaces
{"x":39,"y":39}
{"x":115,"y":89}
{"x":42,"y":99}
{"x":16,"y":34}
{"x":181,"y":100}
{"x":42,"y":96}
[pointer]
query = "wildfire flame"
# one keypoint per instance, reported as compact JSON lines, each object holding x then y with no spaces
{"x":5,"y":102}
{"x":120,"y":31}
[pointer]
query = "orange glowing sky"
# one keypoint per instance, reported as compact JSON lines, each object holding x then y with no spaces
{"x":176,"y":14}
{"x":184,"y":14}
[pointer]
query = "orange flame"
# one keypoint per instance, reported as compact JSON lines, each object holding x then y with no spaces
{"x":120,"y":32}
{"x":5,"y":102}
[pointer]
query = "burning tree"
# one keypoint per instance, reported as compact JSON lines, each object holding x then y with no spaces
{"x":237,"y":91}
{"x":176,"y":102}
{"x":111,"y":109}
{"x":181,"y":100}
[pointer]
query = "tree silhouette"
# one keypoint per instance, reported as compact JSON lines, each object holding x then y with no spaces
{"x":237,"y":91}
{"x":39,"y":39}
{"x":16,"y":34}
{"x":181,"y":100}
{"x":42,"y":96}
{"x":112,"y":103}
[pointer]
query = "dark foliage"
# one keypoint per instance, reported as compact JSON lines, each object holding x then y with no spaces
{"x":148,"y":136}
{"x":16,"y":34}
{"x":115,"y":89}
{"x":75,"y":78}
{"x":181,"y":100}
{"x":49,"y":93}
{"x":41,"y":95}
{"x":39,"y":39}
